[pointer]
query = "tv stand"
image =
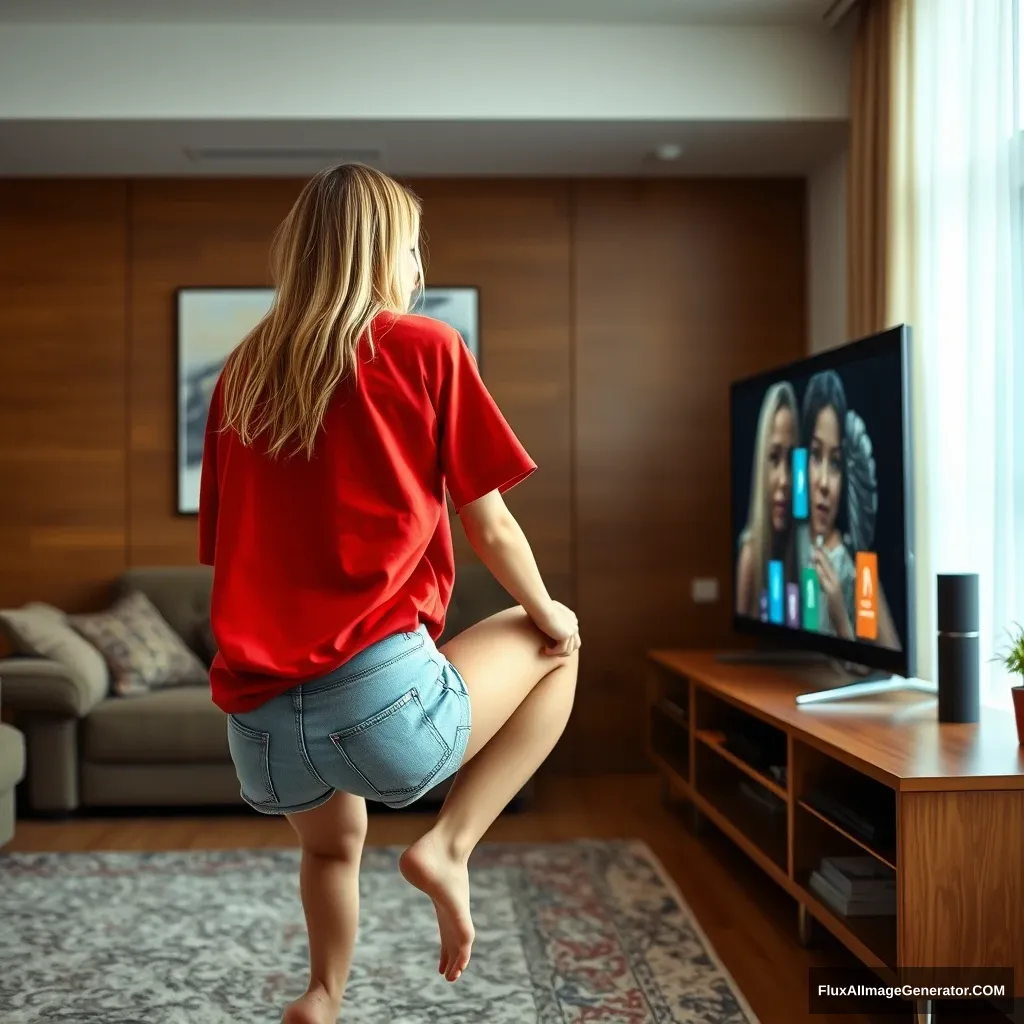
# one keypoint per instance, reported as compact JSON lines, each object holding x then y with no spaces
{"x":944,"y":803}
{"x":771,"y":656}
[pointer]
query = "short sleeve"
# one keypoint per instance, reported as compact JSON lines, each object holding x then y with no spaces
{"x":209,"y":496}
{"x":479,"y":453}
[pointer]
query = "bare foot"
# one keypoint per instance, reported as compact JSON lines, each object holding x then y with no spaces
{"x":445,"y":879}
{"x":315,"y":1007}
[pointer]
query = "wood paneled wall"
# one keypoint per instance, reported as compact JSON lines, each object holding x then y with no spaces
{"x":63,"y":412}
{"x":679,"y":289}
{"x":613,"y":315}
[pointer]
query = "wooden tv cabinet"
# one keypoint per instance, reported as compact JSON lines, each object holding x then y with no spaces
{"x":949,"y":799}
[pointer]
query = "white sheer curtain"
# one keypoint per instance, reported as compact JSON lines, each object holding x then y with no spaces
{"x":958,"y":281}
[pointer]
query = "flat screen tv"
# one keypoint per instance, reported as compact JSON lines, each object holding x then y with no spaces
{"x":822,"y":523}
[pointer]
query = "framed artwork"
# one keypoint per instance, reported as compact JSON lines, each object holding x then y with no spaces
{"x":457,"y":307}
{"x":211,"y":322}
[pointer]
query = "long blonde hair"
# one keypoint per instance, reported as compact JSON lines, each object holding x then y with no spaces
{"x":336,"y":261}
{"x":758,"y":533}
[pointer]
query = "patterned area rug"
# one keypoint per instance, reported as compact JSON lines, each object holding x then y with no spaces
{"x":567,"y":934}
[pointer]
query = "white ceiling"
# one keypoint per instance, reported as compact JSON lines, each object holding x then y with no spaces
{"x":415,"y":148}
{"x":718,"y":12}
{"x":445,"y":148}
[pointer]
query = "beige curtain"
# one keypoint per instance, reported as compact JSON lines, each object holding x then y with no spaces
{"x":868,"y":214}
{"x":901,"y":252}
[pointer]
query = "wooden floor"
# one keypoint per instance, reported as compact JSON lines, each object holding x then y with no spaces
{"x":750,"y":921}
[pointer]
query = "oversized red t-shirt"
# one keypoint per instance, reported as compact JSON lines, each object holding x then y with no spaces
{"x":316,"y":559}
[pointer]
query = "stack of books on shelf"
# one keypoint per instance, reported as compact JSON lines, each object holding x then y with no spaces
{"x":855,"y":886}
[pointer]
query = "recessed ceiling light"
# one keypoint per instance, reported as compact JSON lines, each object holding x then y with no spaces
{"x":668,"y":151}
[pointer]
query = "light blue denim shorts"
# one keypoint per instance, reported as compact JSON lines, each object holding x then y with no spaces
{"x":389,"y":725}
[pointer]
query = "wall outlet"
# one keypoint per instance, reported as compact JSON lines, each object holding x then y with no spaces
{"x":705,"y":591}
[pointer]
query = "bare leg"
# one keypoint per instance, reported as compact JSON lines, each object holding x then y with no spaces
{"x":332,"y":838}
{"x":521,"y":699}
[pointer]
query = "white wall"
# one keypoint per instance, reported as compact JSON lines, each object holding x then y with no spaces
{"x":192,"y":71}
{"x":826,"y":225}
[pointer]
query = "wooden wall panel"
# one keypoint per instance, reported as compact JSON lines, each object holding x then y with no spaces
{"x":182,"y":233}
{"x":680,"y":287}
{"x":62,"y":391}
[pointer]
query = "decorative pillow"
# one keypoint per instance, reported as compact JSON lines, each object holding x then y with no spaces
{"x":40,"y":630}
{"x":142,"y":650}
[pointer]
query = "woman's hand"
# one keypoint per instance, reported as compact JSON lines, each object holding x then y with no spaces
{"x":560,"y":625}
{"x":833,"y":592}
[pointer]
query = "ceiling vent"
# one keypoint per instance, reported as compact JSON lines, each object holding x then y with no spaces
{"x":277,"y":154}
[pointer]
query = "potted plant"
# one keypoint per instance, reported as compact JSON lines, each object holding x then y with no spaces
{"x":1013,"y":662}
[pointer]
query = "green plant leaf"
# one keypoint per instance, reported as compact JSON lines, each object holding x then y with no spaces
{"x":1012,"y":658}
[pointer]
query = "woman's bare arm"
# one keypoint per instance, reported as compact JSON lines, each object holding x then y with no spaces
{"x":502,"y":546}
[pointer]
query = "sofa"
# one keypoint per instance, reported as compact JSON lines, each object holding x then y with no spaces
{"x":168,"y":747}
{"x":12,"y":771}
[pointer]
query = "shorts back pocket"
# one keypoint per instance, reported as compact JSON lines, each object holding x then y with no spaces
{"x":250,"y":753}
{"x":396,"y":752}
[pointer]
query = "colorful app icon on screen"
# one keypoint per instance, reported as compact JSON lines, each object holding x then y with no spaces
{"x":809,"y":590}
{"x":764,"y":605}
{"x":801,"y":502}
{"x":793,"y":605}
{"x":866,"y":596}
{"x":776,"y":586}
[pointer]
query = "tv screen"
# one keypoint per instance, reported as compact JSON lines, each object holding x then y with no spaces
{"x":821,"y":503}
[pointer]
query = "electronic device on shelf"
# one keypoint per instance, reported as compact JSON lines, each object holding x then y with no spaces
{"x":822,"y":516}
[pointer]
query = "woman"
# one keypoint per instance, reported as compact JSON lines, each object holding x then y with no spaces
{"x":333,"y":434}
{"x":768,"y":535}
{"x":826,"y":428}
{"x":824,"y":417}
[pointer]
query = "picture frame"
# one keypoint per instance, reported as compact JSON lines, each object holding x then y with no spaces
{"x":456,"y":305}
{"x":212,"y":321}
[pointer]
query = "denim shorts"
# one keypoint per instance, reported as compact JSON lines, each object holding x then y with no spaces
{"x":389,"y":725}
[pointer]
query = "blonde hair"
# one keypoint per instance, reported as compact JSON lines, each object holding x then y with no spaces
{"x":758,"y":533}
{"x":337,"y":263}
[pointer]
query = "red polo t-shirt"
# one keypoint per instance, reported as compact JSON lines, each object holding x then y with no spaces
{"x":316,"y":559}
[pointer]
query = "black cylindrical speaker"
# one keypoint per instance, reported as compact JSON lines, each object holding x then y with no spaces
{"x":959,"y":666}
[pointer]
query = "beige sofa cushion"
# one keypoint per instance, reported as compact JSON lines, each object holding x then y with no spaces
{"x":174,"y":726}
{"x":40,"y":630}
{"x":142,"y":650}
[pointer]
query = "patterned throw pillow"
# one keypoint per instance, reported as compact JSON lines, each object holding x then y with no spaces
{"x":142,"y":650}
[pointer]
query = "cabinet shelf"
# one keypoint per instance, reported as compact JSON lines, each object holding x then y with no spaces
{"x":710,"y":740}
{"x":672,"y":710}
{"x":889,"y":861}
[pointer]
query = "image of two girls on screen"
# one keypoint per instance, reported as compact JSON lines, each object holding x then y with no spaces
{"x":841,"y":508}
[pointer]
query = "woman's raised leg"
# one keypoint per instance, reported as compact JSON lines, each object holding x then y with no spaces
{"x":521,"y":698}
